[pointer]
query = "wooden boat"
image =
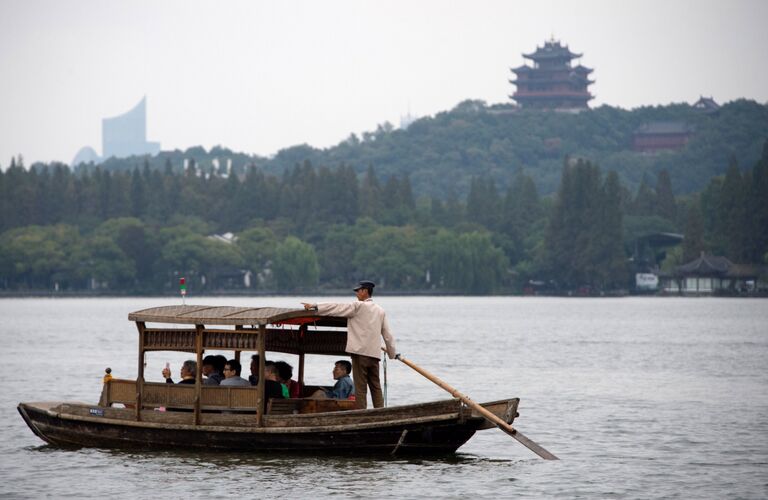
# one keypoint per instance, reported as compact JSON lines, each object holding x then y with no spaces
{"x":161,"y":415}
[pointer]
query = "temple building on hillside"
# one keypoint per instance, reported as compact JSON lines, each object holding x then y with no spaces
{"x":653,"y":137}
{"x":706,"y":105}
{"x":552,"y":82}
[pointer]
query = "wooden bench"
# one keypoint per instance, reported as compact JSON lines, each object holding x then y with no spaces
{"x":181,"y":396}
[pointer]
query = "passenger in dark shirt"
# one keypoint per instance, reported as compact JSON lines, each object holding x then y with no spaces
{"x":187,"y":372}
{"x":213,"y":366}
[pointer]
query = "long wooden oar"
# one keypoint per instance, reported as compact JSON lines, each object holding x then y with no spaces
{"x":528,"y":443}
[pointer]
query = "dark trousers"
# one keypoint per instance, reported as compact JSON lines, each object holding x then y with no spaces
{"x":365,"y":372}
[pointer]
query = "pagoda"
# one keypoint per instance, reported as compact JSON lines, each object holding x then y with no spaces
{"x":552,"y":83}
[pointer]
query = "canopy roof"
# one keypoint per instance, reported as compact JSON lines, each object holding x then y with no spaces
{"x":229,"y":315}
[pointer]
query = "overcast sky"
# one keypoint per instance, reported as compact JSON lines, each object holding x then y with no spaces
{"x":260,"y":76}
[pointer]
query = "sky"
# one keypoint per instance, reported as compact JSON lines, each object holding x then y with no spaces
{"x":257,"y":77}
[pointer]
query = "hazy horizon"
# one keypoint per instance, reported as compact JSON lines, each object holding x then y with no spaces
{"x":258,"y":77}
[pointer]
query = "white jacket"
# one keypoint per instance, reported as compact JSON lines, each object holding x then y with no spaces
{"x":366,"y":325}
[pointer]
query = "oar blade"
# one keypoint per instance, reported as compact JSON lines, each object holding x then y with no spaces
{"x":530,"y":444}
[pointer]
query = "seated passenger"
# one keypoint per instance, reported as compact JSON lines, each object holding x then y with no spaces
{"x":273,"y":388}
{"x":285,"y":372}
{"x":344,"y":388}
{"x":212,"y":367}
{"x":187,"y":372}
{"x":232,"y":376}
{"x":283,"y":387}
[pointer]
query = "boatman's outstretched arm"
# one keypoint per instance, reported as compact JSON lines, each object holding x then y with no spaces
{"x":343,"y":310}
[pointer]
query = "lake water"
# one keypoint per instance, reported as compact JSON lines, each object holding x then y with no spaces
{"x":639,"y":397}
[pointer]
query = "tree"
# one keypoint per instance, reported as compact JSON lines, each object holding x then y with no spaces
{"x":583,"y":241}
{"x":138,"y":194}
{"x":138,"y":246}
{"x":370,"y":195}
{"x":107,"y":265}
{"x":467,"y":263}
{"x":731,"y":224}
{"x":295,"y":265}
{"x":257,"y":246}
{"x":758,"y":208}
{"x":609,"y":252}
{"x":693,"y":244}
{"x":665,"y":199}
{"x":38,"y":257}
{"x":645,"y":200}
{"x":520,"y":211}
{"x":483,"y":204}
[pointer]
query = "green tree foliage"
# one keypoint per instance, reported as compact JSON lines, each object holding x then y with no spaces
{"x":483,"y":203}
{"x":644,"y":203}
{"x":391,"y":256}
{"x":693,"y":244}
{"x":139,"y":228}
{"x":583,"y":242}
{"x":295,"y":267}
{"x":757,"y":208}
{"x":257,"y":246}
{"x":40,"y":257}
{"x":665,"y":199}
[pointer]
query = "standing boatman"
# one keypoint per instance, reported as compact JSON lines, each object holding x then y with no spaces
{"x":366,"y":325}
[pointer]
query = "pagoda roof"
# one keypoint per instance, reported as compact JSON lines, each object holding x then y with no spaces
{"x":522,"y":69}
{"x":574,"y":79}
{"x":552,"y":50}
{"x":544,"y":95}
{"x":582,"y":69}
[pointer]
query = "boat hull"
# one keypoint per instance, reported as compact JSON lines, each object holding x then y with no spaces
{"x":65,"y":424}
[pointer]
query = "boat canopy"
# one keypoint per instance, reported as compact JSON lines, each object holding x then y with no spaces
{"x":229,"y":315}
{"x":292,"y":331}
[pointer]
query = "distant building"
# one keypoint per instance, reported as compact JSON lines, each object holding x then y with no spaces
{"x":126,"y":135}
{"x":552,"y":83}
{"x":86,"y":155}
{"x":658,"y":136}
{"x":708,"y":275}
{"x":406,"y":120}
{"x":706,"y":104}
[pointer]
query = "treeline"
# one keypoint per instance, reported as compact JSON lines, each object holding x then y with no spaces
{"x":441,"y":154}
{"x":317,"y":227}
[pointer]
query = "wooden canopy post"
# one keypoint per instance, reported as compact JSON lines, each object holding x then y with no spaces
{"x":301,"y":374}
{"x":302,"y":332}
{"x":140,"y":374}
{"x":238,"y":351}
{"x":260,"y":402}
{"x":199,"y":375}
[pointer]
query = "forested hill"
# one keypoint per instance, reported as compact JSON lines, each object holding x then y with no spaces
{"x":442,"y":154}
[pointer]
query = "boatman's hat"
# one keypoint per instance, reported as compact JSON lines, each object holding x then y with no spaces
{"x":365,"y":284}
